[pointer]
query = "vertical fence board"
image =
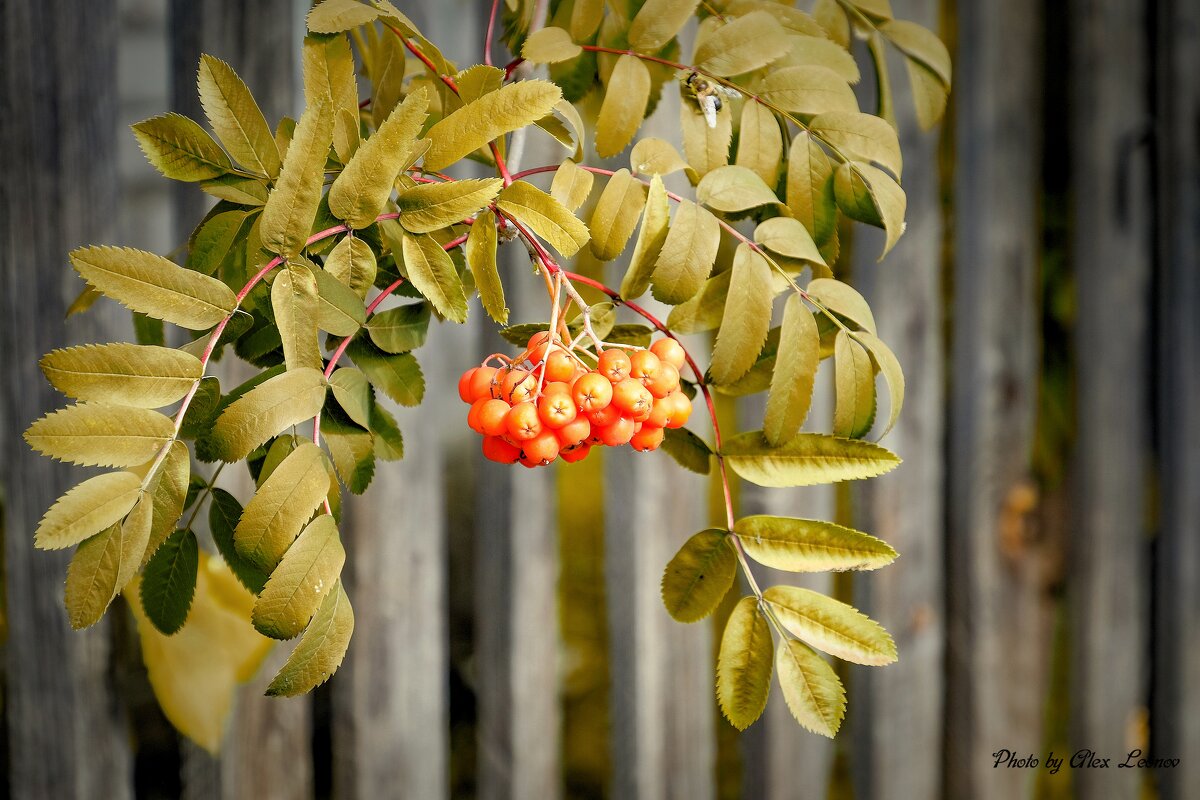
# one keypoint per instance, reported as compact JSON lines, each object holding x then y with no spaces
{"x":997,"y":649}
{"x":66,"y":734}
{"x":1176,"y":725}
{"x":1112,"y":257}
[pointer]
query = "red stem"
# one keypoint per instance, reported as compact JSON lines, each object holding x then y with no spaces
{"x":491,"y":28}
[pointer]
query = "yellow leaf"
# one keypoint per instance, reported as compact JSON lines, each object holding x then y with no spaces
{"x":571,"y":185}
{"x":698,"y":576}
{"x":657,"y":22}
{"x":127,"y":374}
{"x":831,"y":625}
{"x":650,"y":241}
{"x":481,"y":256}
{"x":100,"y":435}
{"x":283,"y":503}
{"x":813,"y":692}
{"x":294,"y":302}
{"x":308,"y":571}
{"x":616,"y":215}
{"x":471,"y":127}
{"x":743,"y":45}
{"x":809,"y":545}
{"x":321,"y":649}
{"x":854,"y":411}
{"x":549,"y":46}
{"x":744,"y":664}
{"x":706,"y":148}
{"x":288,"y":216}
{"x":428,"y":207}
{"x":795,"y":372}
{"x":808,"y":90}
{"x":236,"y":117}
{"x":747,"y":317}
{"x":548,"y":218}
{"x":687,"y":255}
{"x":760,"y":144}
{"x":624,"y":106}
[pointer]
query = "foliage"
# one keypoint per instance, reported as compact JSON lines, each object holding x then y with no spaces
{"x":322,"y":220}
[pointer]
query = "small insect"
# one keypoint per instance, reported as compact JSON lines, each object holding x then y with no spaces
{"x":708,"y":96}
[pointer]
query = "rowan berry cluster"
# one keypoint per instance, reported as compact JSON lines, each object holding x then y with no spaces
{"x":547,"y":403}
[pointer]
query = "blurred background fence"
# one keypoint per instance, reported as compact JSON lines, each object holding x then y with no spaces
{"x":510,"y":641}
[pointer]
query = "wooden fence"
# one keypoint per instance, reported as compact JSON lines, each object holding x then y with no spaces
{"x":510,"y":642}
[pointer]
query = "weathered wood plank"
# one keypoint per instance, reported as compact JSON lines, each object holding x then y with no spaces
{"x":1176,"y":726}
{"x":1112,"y":252}
{"x":66,"y":732}
{"x":996,"y":637}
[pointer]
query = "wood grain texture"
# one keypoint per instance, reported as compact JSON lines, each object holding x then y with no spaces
{"x":997,"y":620}
{"x":65,"y":727}
{"x":1176,"y":726}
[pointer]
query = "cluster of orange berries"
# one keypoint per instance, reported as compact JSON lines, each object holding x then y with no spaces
{"x":629,"y":398}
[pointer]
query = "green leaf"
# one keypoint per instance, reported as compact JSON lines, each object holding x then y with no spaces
{"x":237,"y":189}
{"x":427,"y":207}
{"x":626,"y":333}
{"x":151,"y":284}
{"x":545,"y":216}
{"x":689,"y":450}
{"x":862,"y":137}
{"x":309,"y":571}
{"x":831,"y":626}
{"x":655,"y":225}
{"x":432,"y":272}
{"x":747,"y":317}
{"x":270,"y":407}
{"x":169,"y":492}
{"x":288,"y":216}
{"x":353,"y":394}
{"x":335,"y":16}
{"x":854,"y":379}
{"x":807,"y":460}
{"x":352,"y":262}
{"x":652,"y":156}
{"x":733,"y":188}
{"x":795,"y":372}
{"x":126,"y":374}
{"x":657,"y":22}
{"x":743,"y":45}
{"x":389,"y":443}
{"x":789,"y":238}
{"x":616,"y":215}
{"x":236,"y":118}
{"x":360,"y":191}
{"x":87,"y":509}
{"x":843,"y":300}
{"x":887,"y":363}
{"x":744,"y":664}
{"x":549,"y":46}
{"x":699,"y":575}
{"x":758,"y":379}
{"x":760,"y":143}
{"x":169,"y":582}
{"x":398,"y":376}
{"x":217,"y":235}
{"x":808,"y":89}
{"x":339,"y":311}
{"x":703,"y":312}
{"x":352,"y":451}
{"x":481,"y":256}
{"x":471,"y":127}
{"x":813,"y":692}
{"x":687,"y":255}
{"x":400,"y":329}
{"x":810,"y":545}
{"x":571,"y":185}
{"x":321,"y":649}
{"x":224,"y":511}
{"x":624,"y":106}
{"x":870,"y":195}
{"x":100,"y":435}
{"x":281,"y":506}
{"x":180,"y":149}
{"x":294,"y":302}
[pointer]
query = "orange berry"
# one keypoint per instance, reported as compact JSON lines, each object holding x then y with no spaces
{"x":660,"y":415}
{"x":556,"y":409}
{"x":516,"y":386}
{"x":614,"y":365}
{"x":491,"y":417}
{"x":473,"y":416}
{"x":556,"y":387}
{"x":670,"y":351}
{"x":643,"y":366}
{"x":576,"y":453}
{"x":537,"y":346}
{"x":605,"y":416}
{"x":592,"y":392}
{"x":632,"y":398}
{"x":523,"y":422}
{"x":542,"y":448}
{"x":464,"y":385}
{"x":481,"y":383}
{"x":616,"y":434}
{"x":682,"y":409}
{"x":574,"y":432}
{"x":527,"y":461}
{"x":648,"y":438}
{"x":665,"y":381}
{"x":496,"y":449}
{"x":559,"y":366}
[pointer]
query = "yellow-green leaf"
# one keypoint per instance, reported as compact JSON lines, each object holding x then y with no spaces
{"x":275,"y":404}
{"x":734,"y":188}
{"x":359,"y":192}
{"x":744,"y":664}
{"x":548,"y":218}
{"x":169,"y":582}
{"x":481,"y":257}
{"x":657,"y":22}
{"x":655,"y":225}
{"x":929,"y":94}
{"x":887,"y":363}
{"x":92,"y":577}
{"x":831,"y":626}
{"x":806,"y":460}
{"x":432,"y":272}
{"x":844,"y":300}
{"x":653,"y":156}
{"x":429,"y":206}
{"x":335,"y":16}
{"x":616,"y":215}
{"x":760,"y":143}
{"x":170,"y":493}
{"x":854,"y":379}
{"x":920,"y":44}
{"x":352,"y":451}
{"x":88,"y":508}
{"x":810,"y":187}
{"x":788,"y":237}
{"x":705,"y":148}
{"x":868,"y":194}
{"x":704,"y":311}
{"x":747,"y":317}
{"x":585,"y":18}
{"x":549,"y":46}
{"x":281,"y":506}
{"x":389,"y":443}
{"x":135,"y":538}
{"x":328,"y":71}
{"x":144,"y":376}
{"x":353,"y":393}
{"x":813,"y":692}
{"x":288,"y":216}
{"x":309,"y":571}
{"x":698,"y":576}
{"x":352,"y":262}
{"x":795,"y":372}
{"x":387,"y":77}
{"x":810,"y":545}
{"x":624,"y":106}
{"x":339,"y":311}
{"x":471,"y":127}
{"x":294,"y":301}
{"x":863,"y":137}
{"x":398,"y":376}
{"x":100,"y":435}
{"x":687,"y":255}
{"x":819,"y":51}
{"x":321,"y":649}
{"x":400,"y":329}
{"x":808,"y":90}
{"x":180,"y":149}
{"x":236,"y":117}
{"x":571,"y":185}
{"x":743,"y":45}
{"x":154,"y":286}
